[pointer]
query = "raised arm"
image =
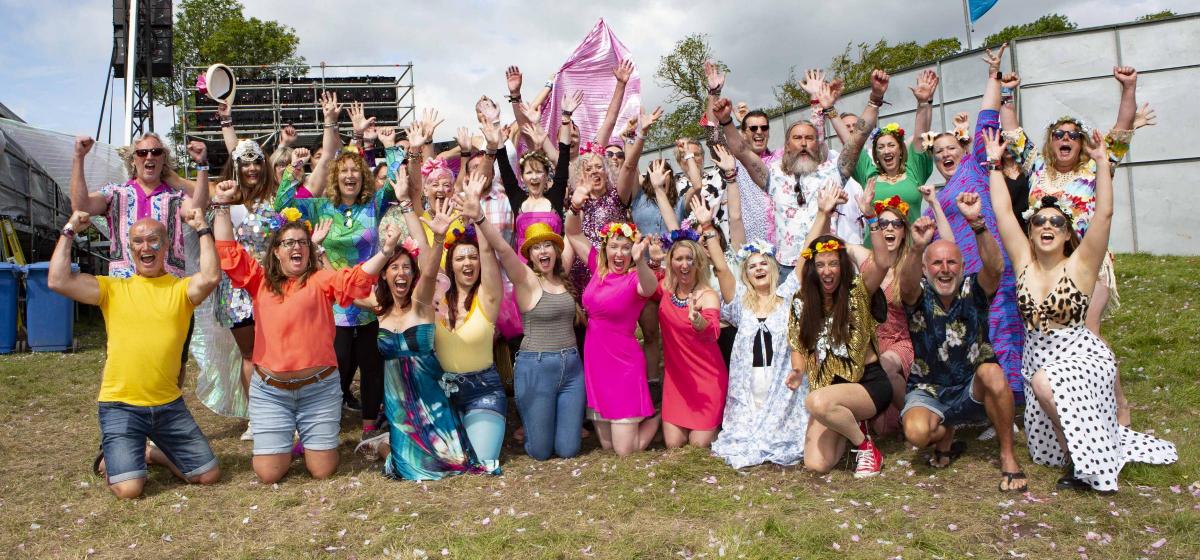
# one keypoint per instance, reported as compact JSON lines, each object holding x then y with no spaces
{"x":622,"y":72}
{"x":78,"y":286}
{"x":828,"y":199}
{"x":1094,"y":245}
{"x":929,"y":195}
{"x":1126,"y":112}
{"x":927,"y":83}
{"x":627,"y":177}
{"x":1014,"y":238}
{"x":647,"y":281}
{"x":206,"y":279}
{"x":573,"y":225}
{"x":733,"y":195}
{"x":708,"y":238}
{"x":95,"y":203}
{"x":228,"y":133}
{"x":737,"y":144}
{"x":198,"y":151}
{"x":848,"y":159}
{"x":991,"y":93}
{"x":441,"y":217}
{"x":909,"y":274}
{"x":970,"y":205}
{"x":330,"y":141}
{"x":658,"y":181}
{"x":512,"y":189}
{"x":389,"y":240}
{"x":827,"y":95}
{"x":1009,"y":84}
{"x":490,"y":288}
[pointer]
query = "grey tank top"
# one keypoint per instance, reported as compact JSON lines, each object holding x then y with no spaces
{"x":550,"y":325}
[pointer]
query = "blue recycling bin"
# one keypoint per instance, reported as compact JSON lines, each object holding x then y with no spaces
{"x":9,"y":282}
{"x":49,"y":317}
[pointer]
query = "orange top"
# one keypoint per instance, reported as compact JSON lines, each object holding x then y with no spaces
{"x":295,"y":331}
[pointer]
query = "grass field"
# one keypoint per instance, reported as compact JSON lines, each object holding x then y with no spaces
{"x":657,"y":504}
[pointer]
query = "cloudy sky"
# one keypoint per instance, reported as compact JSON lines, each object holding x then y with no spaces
{"x":54,"y":53}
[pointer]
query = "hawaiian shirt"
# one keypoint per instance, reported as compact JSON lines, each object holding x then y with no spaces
{"x":949,"y":343}
{"x":794,"y":214}
{"x":128,"y":203}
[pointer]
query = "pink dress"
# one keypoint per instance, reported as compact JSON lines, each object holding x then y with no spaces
{"x":614,"y":368}
{"x":695,"y":380}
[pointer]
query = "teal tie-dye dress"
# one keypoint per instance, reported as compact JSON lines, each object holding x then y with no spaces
{"x":427,"y":437}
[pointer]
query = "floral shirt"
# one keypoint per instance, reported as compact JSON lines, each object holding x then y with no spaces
{"x":949,"y":343}
{"x":128,"y":203}
{"x":1078,"y":186}
{"x":794,"y":214}
{"x":353,"y":236}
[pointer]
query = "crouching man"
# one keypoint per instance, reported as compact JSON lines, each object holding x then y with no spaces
{"x":146,"y":318}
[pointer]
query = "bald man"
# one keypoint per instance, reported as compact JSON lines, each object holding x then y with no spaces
{"x":955,"y":377}
{"x":146,"y":317}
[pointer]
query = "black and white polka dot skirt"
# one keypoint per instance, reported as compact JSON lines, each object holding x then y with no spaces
{"x":1082,"y":372}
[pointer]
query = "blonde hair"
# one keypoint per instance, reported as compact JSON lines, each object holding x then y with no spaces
{"x":576,"y":175}
{"x":368,"y":179}
{"x":752,"y":299}
{"x":602,"y":255}
{"x":127,"y":154}
{"x":703,"y":266}
{"x":1048,"y":150}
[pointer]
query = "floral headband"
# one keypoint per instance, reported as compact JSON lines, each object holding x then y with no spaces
{"x":831,"y":246}
{"x":410,"y":245}
{"x":891,"y":129}
{"x":247,"y":150}
{"x":1061,"y":202}
{"x":590,"y":147}
{"x":894,"y":203}
{"x":757,"y":246}
{"x":287,"y":216}
{"x":675,"y":236}
{"x":460,"y":234}
{"x":623,"y":229}
{"x":960,"y":133}
{"x":435,"y":166}
{"x":1087,"y":130}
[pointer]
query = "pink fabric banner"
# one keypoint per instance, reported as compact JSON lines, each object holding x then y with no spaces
{"x":590,"y":69}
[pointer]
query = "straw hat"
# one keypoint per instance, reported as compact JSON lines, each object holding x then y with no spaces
{"x":221,"y":83}
{"x":538,"y":232}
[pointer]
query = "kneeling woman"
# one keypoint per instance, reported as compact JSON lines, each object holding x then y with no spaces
{"x":425,"y":440}
{"x":295,"y":386}
{"x":832,"y":336}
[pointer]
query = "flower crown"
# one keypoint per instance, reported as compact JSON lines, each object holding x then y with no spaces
{"x":1083,"y":127}
{"x":590,"y":147}
{"x":890,"y":128}
{"x":434,"y":166}
{"x":624,"y":229}
{"x":674,"y":236}
{"x":757,"y":246}
{"x":831,"y":246}
{"x":1061,"y":202}
{"x":960,"y":133}
{"x":460,"y":234}
{"x":894,"y":203}
{"x":411,"y":246}
{"x":289,"y":215}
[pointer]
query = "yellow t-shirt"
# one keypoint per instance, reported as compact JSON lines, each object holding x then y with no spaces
{"x":147,"y":322}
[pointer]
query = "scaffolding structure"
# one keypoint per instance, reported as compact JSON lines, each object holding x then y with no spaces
{"x":281,"y":95}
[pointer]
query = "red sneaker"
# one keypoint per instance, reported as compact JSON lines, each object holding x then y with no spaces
{"x":870,"y":460}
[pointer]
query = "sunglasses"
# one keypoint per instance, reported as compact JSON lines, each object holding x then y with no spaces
{"x":1059,"y":134}
{"x":759,"y":128}
{"x":289,"y":243}
{"x":1039,"y":220}
{"x":884,"y":224}
{"x":149,"y":152}
{"x":614,"y":155}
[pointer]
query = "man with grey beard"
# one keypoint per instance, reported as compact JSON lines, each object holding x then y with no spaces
{"x":792,"y":181}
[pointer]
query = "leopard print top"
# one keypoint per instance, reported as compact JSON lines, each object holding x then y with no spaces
{"x":1065,"y":305}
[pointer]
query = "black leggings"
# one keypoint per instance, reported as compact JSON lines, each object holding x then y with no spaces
{"x":357,"y":348}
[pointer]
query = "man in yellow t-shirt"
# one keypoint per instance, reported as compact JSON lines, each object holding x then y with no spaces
{"x":146,"y":317}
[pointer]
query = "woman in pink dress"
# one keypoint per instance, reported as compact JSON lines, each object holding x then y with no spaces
{"x":695,"y":379}
{"x":614,"y":368}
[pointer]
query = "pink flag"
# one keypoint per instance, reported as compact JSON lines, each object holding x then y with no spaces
{"x":590,"y":69}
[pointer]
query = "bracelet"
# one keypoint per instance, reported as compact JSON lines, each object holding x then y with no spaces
{"x":715,"y":92}
{"x":994,"y":165}
{"x":726,"y":123}
{"x":68,"y":231}
{"x":708,"y":236}
{"x":998,"y":75}
{"x":689,"y":156}
{"x":575,"y":209}
{"x":567,"y":113}
{"x":204,"y":231}
{"x":924,"y":104}
{"x":730,"y":178}
{"x":814,"y":101}
{"x":491,"y":152}
{"x":514,"y":98}
{"x":549,"y":84}
{"x":202,"y":167}
{"x":872,"y":222}
{"x":330,"y":125}
{"x":218,"y":206}
{"x":629,"y":140}
{"x":876,"y":103}
{"x":980,"y":228}
{"x":479,"y":220}
{"x":320,"y":250}
{"x":226,"y":123}
{"x":831,"y":112}
{"x":414,"y":155}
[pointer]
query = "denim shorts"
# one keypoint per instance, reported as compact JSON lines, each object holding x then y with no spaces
{"x":124,"y":429}
{"x":314,"y":410}
{"x":954,"y":405}
{"x":477,"y":390}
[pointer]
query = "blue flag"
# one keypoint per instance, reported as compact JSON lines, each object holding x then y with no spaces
{"x":979,"y":7}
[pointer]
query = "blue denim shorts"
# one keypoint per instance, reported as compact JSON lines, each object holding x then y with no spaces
{"x":314,"y":410}
{"x":124,"y":429}
{"x":477,"y":390}
{"x":954,"y":405}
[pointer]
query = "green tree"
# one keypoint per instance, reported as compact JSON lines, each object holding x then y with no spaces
{"x":1156,"y":16}
{"x":1049,"y":23}
{"x":854,"y":66}
{"x":682,"y":73}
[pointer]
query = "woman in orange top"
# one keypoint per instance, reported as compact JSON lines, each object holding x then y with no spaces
{"x":293,"y":387}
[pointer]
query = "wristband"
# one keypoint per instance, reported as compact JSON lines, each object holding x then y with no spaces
{"x":320,"y":250}
{"x":689,"y":156}
{"x":218,"y":206}
{"x":924,"y":103}
{"x":329,"y":125}
{"x":204,"y":231}
{"x":814,"y":101}
{"x":715,"y":92}
{"x":726,"y":123}
{"x":980,"y":228}
{"x":998,"y":75}
{"x":567,"y":113}
{"x":831,"y":112}
{"x":479,"y":220}
{"x":202,"y":167}
{"x":872,"y":222}
{"x":876,"y":103}
{"x":549,"y":84}
{"x":731,"y":177}
{"x":514,"y":98}
{"x":226,"y":123}
{"x":68,"y":231}
{"x":994,"y":165}
{"x":490,"y":152}
{"x":575,"y":209}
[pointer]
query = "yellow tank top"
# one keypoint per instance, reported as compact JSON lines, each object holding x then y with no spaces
{"x":467,"y":348}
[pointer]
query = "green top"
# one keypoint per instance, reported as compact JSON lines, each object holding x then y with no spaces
{"x":917,"y":170}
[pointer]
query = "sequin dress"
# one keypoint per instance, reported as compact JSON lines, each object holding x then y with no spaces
{"x":253,"y":232}
{"x":428,"y":442}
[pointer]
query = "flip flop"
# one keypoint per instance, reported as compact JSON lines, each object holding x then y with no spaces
{"x":956,"y":449}
{"x":1010,"y":477}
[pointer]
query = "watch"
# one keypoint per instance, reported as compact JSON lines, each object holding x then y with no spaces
{"x":204,"y":231}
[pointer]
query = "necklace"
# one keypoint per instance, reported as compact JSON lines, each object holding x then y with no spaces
{"x":678,"y":302}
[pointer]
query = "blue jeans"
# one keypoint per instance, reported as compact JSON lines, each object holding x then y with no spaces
{"x":314,"y":410}
{"x":551,"y":398}
{"x":124,"y":429}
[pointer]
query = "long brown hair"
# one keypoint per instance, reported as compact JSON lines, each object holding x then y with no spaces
{"x":812,"y":316}
{"x":267,"y":185}
{"x":902,"y":156}
{"x":672,"y":192}
{"x":274,"y":270}
{"x":383,"y":292}
{"x":365,"y":192}
{"x":452,"y":293}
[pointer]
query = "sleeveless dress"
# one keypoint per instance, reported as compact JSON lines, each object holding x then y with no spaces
{"x":427,"y":439}
{"x":1082,"y":372}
